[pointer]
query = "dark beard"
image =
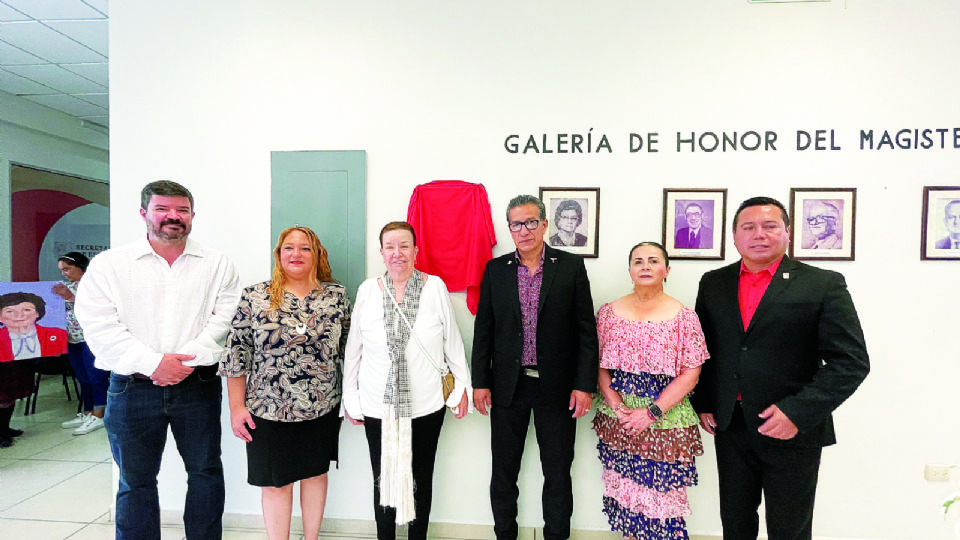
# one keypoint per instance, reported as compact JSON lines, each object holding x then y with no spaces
{"x":170,"y":236}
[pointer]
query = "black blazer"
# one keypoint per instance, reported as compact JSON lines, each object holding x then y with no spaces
{"x":567,"y":348}
{"x":803,"y":351}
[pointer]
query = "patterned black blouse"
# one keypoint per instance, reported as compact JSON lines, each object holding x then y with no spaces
{"x":292,"y":357}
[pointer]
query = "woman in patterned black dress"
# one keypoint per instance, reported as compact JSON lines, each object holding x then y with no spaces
{"x":283,"y":372}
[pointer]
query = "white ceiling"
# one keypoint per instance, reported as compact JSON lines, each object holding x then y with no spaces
{"x":54,"y":52}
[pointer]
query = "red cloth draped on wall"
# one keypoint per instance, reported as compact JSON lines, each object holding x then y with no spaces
{"x":454,"y":233}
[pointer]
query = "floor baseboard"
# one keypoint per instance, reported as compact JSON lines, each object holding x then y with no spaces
{"x":356,"y":527}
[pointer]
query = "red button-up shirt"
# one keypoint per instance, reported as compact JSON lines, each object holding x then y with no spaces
{"x":750,"y":292}
{"x":751,"y":289}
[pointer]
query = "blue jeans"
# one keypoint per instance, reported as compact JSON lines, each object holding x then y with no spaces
{"x":137,"y":416}
{"x":93,"y":381}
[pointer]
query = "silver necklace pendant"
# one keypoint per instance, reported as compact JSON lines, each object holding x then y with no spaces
{"x":301,"y":328}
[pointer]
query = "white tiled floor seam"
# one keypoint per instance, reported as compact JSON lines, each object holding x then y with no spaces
{"x":92,"y":465}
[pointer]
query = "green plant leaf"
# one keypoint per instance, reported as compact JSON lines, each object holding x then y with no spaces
{"x":947,"y":504}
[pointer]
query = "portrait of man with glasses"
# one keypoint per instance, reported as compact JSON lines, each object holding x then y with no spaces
{"x":694,"y":234}
{"x":823,"y":224}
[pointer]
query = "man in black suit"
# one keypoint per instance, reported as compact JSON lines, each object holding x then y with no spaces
{"x":534,"y":350}
{"x":786,"y":350}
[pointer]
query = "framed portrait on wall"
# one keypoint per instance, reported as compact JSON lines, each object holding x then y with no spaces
{"x":823,"y":223}
{"x":33,"y":320}
{"x":573,"y":218}
{"x":940,"y":225}
{"x":693,"y":223}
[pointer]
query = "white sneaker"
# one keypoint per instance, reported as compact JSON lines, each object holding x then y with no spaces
{"x":75,"y":423}
{"x":91,"y":423}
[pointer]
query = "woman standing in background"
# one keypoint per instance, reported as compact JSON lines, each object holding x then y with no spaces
{"x":93,"y":381}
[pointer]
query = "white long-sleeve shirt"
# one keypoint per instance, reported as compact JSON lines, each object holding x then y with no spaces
{"x":367,"y":359}
{"x":134,"y":307}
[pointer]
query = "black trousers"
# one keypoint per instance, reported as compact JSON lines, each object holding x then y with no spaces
{"x":556,"y":431}
{"x":425,"y":435}
{"x":749,"y":464}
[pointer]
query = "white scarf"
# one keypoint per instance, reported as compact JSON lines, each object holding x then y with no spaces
{"x":396,"y":447}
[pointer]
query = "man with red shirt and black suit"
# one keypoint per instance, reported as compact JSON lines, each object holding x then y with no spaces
{"x":786,"y":349}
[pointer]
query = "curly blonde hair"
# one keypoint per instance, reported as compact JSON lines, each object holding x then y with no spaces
{"x":321,"y":265}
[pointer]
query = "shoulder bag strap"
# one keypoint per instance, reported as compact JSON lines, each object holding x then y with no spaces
{"x":443,"y":370}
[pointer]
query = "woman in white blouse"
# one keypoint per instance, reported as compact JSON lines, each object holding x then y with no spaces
{"x":392,"y":383}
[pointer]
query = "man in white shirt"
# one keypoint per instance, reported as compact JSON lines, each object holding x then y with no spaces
{"x":156,"y":314}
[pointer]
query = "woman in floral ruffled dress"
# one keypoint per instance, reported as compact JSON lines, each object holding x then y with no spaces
{"x":651,"y":349}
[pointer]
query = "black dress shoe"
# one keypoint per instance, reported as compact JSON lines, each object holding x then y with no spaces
{"x":5,"y":441}
{"x":14,"y":432}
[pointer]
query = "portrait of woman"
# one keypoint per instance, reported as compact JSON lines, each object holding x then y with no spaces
{"x":404,"y":330}
{"x":651,"y":350}
{"x":21,"y":338}
{"x":285,"y":354}
{"x":566,"y":219}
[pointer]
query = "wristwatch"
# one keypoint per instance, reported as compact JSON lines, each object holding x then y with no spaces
{"x":655,"y":411}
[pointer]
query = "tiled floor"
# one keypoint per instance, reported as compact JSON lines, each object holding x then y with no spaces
{"x":54,"y":485}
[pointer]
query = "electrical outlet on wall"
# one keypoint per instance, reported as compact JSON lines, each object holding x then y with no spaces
{"x":936,"y":473}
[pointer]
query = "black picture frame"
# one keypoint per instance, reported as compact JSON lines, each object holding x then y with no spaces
{"x":823,"y":224}
{"x":584,"y":239}
{"x":702,"y":209}
{"x":941,"y":213}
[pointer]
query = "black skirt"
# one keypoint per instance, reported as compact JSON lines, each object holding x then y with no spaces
{"x":16,"y":379}
{"x":283,"y":452}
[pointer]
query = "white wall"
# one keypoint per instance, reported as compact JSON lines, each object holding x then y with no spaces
{"x":203,"y":91}
{"x":43,"y":138}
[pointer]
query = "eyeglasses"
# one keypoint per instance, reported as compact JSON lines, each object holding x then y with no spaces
{"x":816,"y":220}
{"x":530,"y":224}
